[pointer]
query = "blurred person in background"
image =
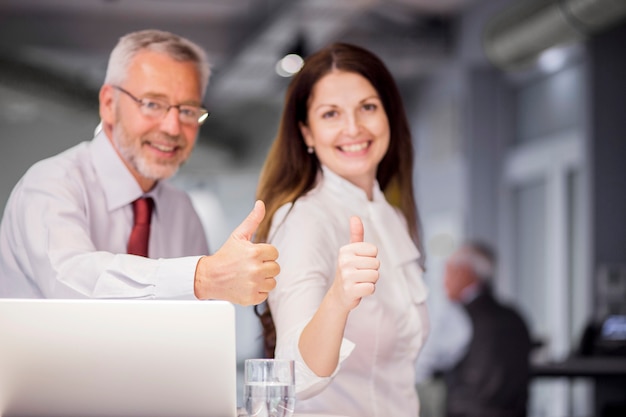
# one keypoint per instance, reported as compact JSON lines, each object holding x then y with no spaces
{"x":66,"y":227}
{"x":349,"y":306}
{"x":480,"y":346}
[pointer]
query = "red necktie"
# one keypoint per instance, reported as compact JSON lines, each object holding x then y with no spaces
{"x":139,"y":236}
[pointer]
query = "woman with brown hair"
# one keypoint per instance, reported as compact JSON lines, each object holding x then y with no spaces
{"x":349,"y":305}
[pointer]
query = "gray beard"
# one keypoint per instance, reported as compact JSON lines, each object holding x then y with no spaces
{"x":134,"y":158}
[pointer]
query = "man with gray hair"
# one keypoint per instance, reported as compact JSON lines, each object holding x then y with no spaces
{"x":99,"y":221}
{"x":486,"y":372}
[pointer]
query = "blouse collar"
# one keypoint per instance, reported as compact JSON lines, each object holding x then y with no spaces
{"x":354,"y":196}
{"x":384,"y":218}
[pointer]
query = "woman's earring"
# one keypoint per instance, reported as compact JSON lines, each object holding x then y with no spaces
{"x":309,"y":149}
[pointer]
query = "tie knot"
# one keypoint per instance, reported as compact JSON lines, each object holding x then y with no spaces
{"x":142,"y":210}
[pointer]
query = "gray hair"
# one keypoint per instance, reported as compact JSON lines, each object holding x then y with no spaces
{"x":479,"y":257}
{"x":176,"y":47}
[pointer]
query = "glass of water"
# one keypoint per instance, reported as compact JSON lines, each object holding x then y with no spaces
{"x":269,"y":387}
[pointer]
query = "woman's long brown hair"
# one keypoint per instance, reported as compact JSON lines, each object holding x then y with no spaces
{"x":290,"y":171}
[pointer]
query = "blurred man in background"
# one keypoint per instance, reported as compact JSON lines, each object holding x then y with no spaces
{"x":482,"y":346}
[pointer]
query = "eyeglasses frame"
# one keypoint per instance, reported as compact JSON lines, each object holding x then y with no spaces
{"x":140,"y":101}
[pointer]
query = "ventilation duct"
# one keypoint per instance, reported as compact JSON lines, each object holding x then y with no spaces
{"x":515,"y":37}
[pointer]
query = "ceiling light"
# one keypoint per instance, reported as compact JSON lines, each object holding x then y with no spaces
{"x":552,"y":60}
{"x":289,"y":65}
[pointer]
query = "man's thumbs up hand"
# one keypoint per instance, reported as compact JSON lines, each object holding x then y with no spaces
{"x":248,"y":227}
{"x":241,"y":272}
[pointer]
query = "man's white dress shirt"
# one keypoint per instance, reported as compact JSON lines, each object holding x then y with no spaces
{"x":66,"y":226}
{"x":384,"y":333}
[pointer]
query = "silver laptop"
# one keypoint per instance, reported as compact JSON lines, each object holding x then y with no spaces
{"x":106,"y":358}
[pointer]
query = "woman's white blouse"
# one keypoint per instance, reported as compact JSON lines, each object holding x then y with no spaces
{"x":384,"y":333}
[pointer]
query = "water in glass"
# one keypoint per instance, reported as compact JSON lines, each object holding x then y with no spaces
{"x":269,"y":399}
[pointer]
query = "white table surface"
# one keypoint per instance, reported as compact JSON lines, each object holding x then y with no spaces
{"x":242,"y":413}
{"x":316,"y":415}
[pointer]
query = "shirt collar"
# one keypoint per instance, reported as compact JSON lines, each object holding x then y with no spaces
{"x":469,"y":293}
{"x":119,"y":186}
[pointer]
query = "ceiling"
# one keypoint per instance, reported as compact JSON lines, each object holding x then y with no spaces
{"x":70,"y":40}
{"x":244,"y":38}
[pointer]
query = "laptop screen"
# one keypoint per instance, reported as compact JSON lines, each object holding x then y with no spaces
{"x":140,"y":358}
{"x":614,"y":328}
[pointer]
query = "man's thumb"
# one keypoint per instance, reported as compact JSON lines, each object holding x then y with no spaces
{"x":356,"y":229}
{"x":248,"y":227}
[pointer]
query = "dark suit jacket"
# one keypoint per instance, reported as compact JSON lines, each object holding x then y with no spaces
{"x":492,"y":378}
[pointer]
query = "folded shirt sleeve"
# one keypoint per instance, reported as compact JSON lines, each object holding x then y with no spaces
{"x":308,"y":384}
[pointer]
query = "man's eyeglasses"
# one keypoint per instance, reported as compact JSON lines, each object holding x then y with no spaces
{"x":157,"y":109}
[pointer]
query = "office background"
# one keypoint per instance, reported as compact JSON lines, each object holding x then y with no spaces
{"x":518,"y":110}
